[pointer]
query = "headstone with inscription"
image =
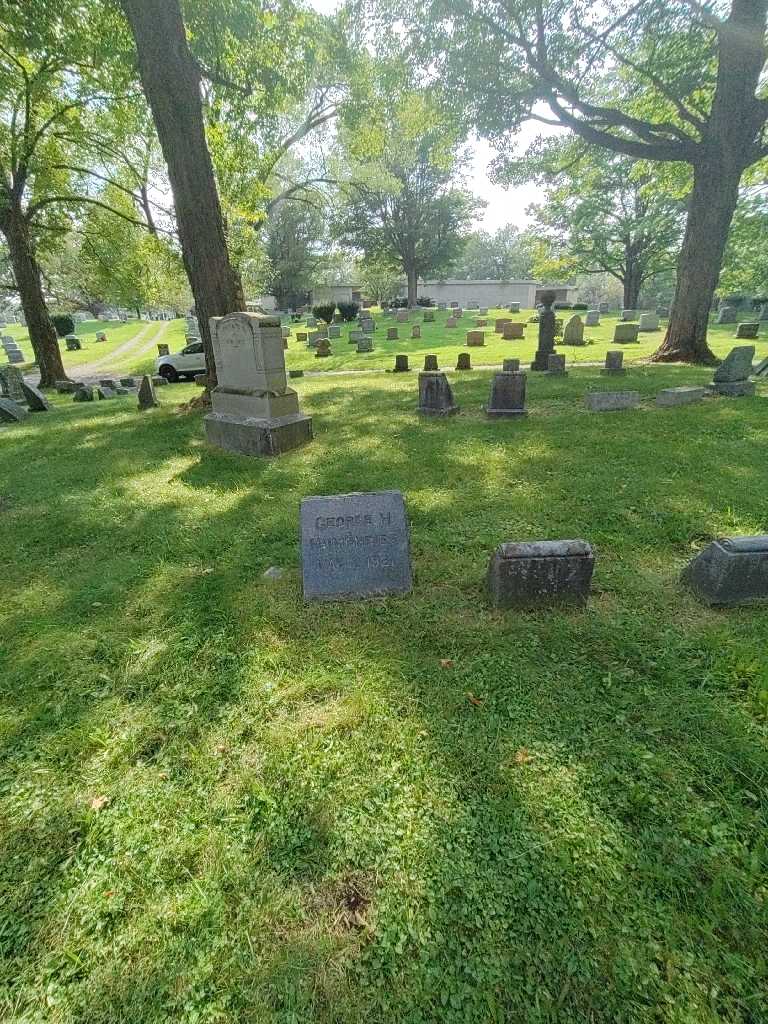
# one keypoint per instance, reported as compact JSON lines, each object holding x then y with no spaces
{"x":513,"y":331}
{"x":355,"y":546}
{"x":592,"y":318}
{"x":254,"y":410}
{"x":731,"y":378}
{"x":748,"y":329}
{"x":614,"y":364}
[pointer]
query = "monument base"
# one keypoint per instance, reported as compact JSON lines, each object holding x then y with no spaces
{"x":248,"y":436}
{"x":541,"y":361}
{"x":426,"y":411}
{"x":493,"y":413}
{"x":733,"y":389}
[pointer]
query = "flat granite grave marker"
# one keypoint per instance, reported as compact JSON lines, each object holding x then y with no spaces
{"x":625,"y":334}
{"x":592,"y":318}
{"x":540,"y":574}
{"x":748,"y":329}
{"x":355,"y":546}
{"x":648,"y":322}
{"x":731,"y":571}
{"x":34,"y":397}
{"x":556,"y":365}
{"x":680,"y":396}
{"x":510,"y":365}
{"x":513,"y":331}
{"x":11,"y":412}
{"x":608,"y":401}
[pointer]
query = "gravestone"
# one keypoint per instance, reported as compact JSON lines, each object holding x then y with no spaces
{"x":473,"y":305}
{"x":311,"y":321}
{"x":323,"y":348}
{"x":365,"y":344}
{"x":388,"y":313}
{"x":748,"y":330}
{"x":500,"y":324}
{"x":458,"y":312}
{"x":102,"y":336}
{"x":514,"y":307}
{"x":367,"y":326}
{"x":34,"y":397}
{"x":680,"y":396}
{"x":11,"y":412}
{"x":513,"y":331}
{"x":73,"y":343}
{"x":286,"y":333}
{"x":313,"y":337}
{"x":727,"y":315}
{"x":401,"y":364}
{"x":302,"y":335}
{"x":430,"y":364}
{"x":546,"y":333}
{"x":435,"y":395}
{"x":11,"y":383}
{"x":163,"y":349}
{"x":254,"y":410}
{"x":592,"y":318}
{"x":127,"y":382}
{"x":507,"y":397}
{"x":510,"y":366}
{"x":648,"y":322}
{"x":573,"y":333}
{"x":295,"y":373}
{"x":481,"y":322}
{"x":15,"y":355}
{"x":334,"y":331}
{"x":483,"y":311}
{"x":629,"y":314}
{"x":731,"y":378}
{"x":146,"y":396}
{"x":556,"y":365}
{"x":66,"y":387}
{"x":625,"y":334}
{"x":614,"y":364}
{"x":355,"y":336}
{"x":463,"y":361}
{"x":429,"y":316}
{"x":392,"y":334}
{"x":604,"y":307}
{"x":608,"y":401}
{"x":662,"y":311}
{"x":84,"y":393}
{"x":763,"y":312}
{"x":761,"y":370}
{"x":475,"y":339}
{"x":355,"y":546}
{"x":415,"y":331}
{"x":102,"y":394}
{"x":540,"y":574}
{"x":451,"y":321}
{"x":200,"y":380}
{"x":402,"y":316}
{"x":731,"y":571}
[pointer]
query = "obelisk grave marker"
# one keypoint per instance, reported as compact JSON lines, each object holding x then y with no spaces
{"x":254,"y":410}
{"x":355,"y":546}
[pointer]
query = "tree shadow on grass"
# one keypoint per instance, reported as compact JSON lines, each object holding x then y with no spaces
{"x":580,"y":841}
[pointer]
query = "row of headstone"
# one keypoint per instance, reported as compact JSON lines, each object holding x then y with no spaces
{"x":11,"y":349}
{"x":357,"y":546}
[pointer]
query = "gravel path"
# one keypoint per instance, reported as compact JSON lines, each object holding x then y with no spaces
{"x":98,"y":367}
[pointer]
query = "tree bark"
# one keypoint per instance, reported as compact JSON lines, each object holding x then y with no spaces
{"x":727,"y":148}
{"x":171,"y":82}
{"x":633,"y":280}
{"x":413,"y":286}
{"x":712,"y":203}
{"x":42,"y":333}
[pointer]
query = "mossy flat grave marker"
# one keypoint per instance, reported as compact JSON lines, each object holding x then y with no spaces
{"x":355,"y":546}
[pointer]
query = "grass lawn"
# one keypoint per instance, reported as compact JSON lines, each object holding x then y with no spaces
{"x":219,"y":805}
{"x":132,"y":360}
{"x":446,"y":343}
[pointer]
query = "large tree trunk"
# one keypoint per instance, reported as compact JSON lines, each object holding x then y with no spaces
{"x":710,"y":211}
{"x":413,"y":286}
{"x":42,"y":333}
{"x":728,"y":147}
{"x":171,"y":82}
{"x":633,"y":279}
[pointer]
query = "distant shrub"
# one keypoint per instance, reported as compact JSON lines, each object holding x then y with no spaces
{"x":761,"y":301}
{"x":64,"y":324}
{"x":324,"y":311}
{"x":399,"y":303}
{"x":349,"y":310}
{"x":580,"y":305}
{"x":733,"y":300}
{"x":424,"y":300}
{"x":561,"y":305}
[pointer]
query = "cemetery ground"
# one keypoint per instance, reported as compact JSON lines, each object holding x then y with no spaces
{"x":220,"y":804}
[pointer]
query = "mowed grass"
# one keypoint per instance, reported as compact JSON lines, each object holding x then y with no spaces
{"x":222,"y":805}
{"x":132,"y":360}
{"x":446,"y":343}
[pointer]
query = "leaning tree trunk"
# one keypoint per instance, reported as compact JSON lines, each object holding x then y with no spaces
{"x":171,"y":81}
{"x":42,"y":333}
{"x":710,"y":212}
{"x":730,"y":143}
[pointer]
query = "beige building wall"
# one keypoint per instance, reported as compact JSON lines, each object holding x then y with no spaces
{"x":485,"y":293}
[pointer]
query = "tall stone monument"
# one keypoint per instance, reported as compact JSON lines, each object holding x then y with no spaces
{"x":254,"y":410}
{"x":546,"y":333}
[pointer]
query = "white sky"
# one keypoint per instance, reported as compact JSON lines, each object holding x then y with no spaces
{"x":504,"y":206}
